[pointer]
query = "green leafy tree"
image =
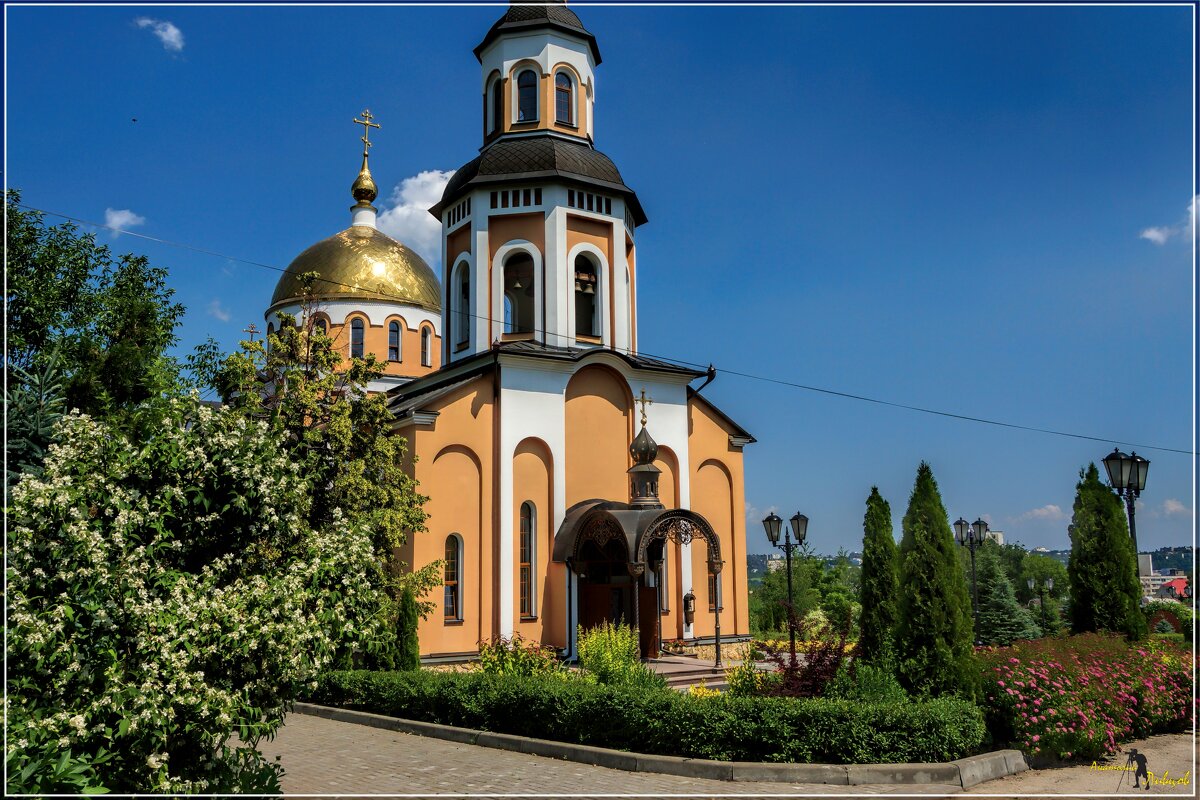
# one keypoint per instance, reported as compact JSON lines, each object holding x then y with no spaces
{"x":1105,"y":590}
{"x":1002,"y":620}
{"x":934,"y":631}
{"x":300,"y":386}
{"x":164,"y":595}
{"x":34,"y":404}
{"x":112,"y":320}
{"x":768,"y":601}
{"x":1041,"y":569}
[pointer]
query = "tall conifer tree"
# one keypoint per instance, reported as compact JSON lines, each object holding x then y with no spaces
{"x":1002,"y":620}
{"x":880,"y":583}
{"x":1105,"y":590}
{"x":934,"y":632}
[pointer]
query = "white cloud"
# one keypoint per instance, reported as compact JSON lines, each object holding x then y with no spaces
{"x":170,"y":36}
{"x":406,"y":214}
{"x":1173,"y":506}
{"x":1160,"y":234}
{"x":121,"y":219}
{"x":1047,"y":512}
{"x":219,"y":311}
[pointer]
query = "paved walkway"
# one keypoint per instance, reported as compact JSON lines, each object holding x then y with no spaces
{"x":322,"y":756}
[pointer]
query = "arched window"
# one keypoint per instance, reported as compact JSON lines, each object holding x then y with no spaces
{"x":356,"y":338}
{"x":452,"y":578}
{"x":564,"y":97}
{"x":461,"y":306}
{"x":393,"y":341}
{"x":528,"y":558}
{"x":518,"y":293}
{"x":320,"y":326}
{"x":426,"y":350}
{"x":497,"y":105}
{"x":527,"y":101}
{"x":587,"y":322}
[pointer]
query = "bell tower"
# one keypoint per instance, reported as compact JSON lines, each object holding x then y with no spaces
{"x":538,"y":230}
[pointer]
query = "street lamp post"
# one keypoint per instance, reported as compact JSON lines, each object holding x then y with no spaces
{"x":1127,"y":476}
{"x":772,"y":524}
{"x":970,"y":535}
{"x":1047,"y":586}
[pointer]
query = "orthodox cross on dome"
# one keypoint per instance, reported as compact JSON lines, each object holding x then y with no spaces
{"x":367,"y":124}
{"x":643,"y":401}
{"x":251,"y":329}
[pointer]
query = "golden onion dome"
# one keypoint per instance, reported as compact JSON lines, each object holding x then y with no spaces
{"x":364,"y":264}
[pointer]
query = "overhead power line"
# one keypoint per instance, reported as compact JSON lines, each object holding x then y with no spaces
{"x":671,"y":359}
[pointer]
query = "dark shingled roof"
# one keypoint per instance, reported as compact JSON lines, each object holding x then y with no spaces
{"x":556,"y":16}
{"x":544,"y":156}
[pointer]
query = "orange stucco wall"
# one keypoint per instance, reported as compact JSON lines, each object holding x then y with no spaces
{"x":454,"y":466}
{"x":375,"y":341}
{"x":532,"y":482}
{"x":718,"y":494}
{"x":598,"y":432}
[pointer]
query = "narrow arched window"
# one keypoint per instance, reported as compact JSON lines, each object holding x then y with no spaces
{"x":462,"y":306}
{"x":518,"y":293}
{"x":393,"y":341}
{"x":527,"y":104}
{"x":587,"y":322}
{"x":452,"y":578}
{"x":528,"y":556}
{"x":321,"y":327}
{"x":356,"y":339}
{"x":497,"y":105}
{"x":426,"y":350}
{"x":564,"y":97}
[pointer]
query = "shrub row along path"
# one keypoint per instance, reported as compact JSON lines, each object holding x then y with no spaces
{"x":326,"y":756}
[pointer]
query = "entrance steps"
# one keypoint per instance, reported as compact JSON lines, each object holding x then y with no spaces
{"x":683,"y":672}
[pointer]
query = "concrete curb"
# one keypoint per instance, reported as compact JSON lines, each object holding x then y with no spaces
{"x":965,"y":772}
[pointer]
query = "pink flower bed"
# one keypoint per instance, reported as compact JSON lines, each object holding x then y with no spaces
{"x":1079,"y":696}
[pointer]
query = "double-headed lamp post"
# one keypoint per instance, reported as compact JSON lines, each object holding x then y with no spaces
{"x":1047,"y":586}
{"x":772,"y":524}
{"x":971,"y":535}
{"x":1127,"y":476}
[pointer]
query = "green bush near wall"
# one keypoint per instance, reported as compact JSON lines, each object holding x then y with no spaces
{"x":724,"y":728}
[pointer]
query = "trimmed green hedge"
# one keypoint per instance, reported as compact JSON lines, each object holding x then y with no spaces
{"x":570,"y":709}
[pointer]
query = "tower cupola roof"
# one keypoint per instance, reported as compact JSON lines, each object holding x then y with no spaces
{"x":553,"y":15}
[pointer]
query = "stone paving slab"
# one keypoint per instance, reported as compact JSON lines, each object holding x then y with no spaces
{"x":330,"y":758}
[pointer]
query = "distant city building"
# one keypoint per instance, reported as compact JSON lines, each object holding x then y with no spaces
{"x":1041,"y":550}
{"x":1172,"y":589}
{"x":995,"y":536}
{"x":1145,"y":564}
{"x":774,"y":563}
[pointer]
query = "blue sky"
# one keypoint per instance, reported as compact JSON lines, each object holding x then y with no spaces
{"x":980,"y":209}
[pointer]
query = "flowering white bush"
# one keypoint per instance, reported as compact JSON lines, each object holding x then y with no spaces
{"x":165,"y":595}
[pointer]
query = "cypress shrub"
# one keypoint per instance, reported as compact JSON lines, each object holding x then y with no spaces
{"x":934,"y":631}
{"x":408,"y":648}
{"x":880,"y":583}
{"x":1105,"y":590}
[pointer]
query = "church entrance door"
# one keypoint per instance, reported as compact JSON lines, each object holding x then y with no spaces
{"x":607,"y":592}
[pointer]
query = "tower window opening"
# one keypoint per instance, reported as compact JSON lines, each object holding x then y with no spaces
{"x":494,"y":200}
{"x":586,"y":321}
{"x":537,"y":197}
{"x":527,"y":197}
{"x":462,"y":306}
{"x":518,"y":293}
{"x":497,"y":111}
{"x":528,"y":579}
{"x":607,"y":206}
{"x":356,"y":338}
{"x":393,"y":341}
{"x":320,"y":326}
{"x":452,"y":579}
{"x":527,"y":97}
{"x":564,"y":95}
{"x":504,"y":199}
{"x":426,"y":350}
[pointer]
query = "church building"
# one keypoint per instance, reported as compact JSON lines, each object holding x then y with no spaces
{"x":570,"y":479}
